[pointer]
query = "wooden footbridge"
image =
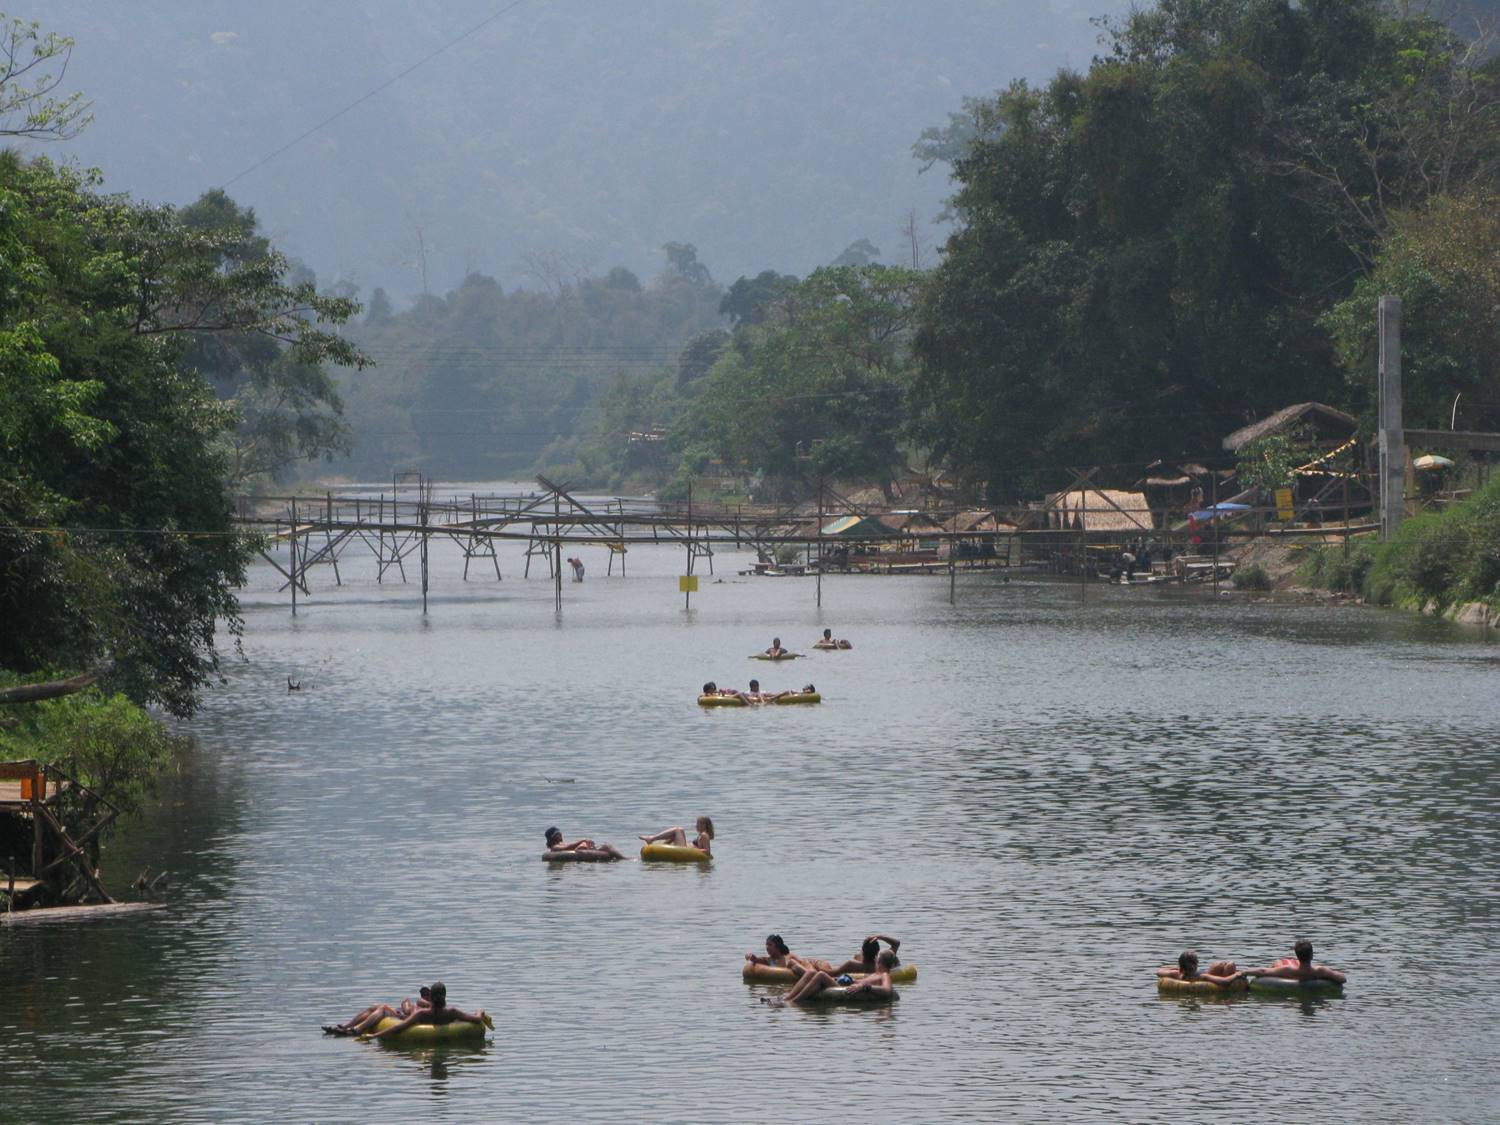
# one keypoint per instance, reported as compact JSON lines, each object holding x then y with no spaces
{"x":398,"y":528}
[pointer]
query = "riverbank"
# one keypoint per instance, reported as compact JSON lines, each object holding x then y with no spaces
{"x":1443,"y":564}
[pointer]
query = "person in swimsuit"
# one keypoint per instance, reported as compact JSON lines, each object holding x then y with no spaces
{"x":775,"y":650}
{"x":780,"y":957}
{"x":869,"y":953}
{"x":877,"y":983}
{"x":1219,"y":972}
{"x":582,"y":847}
{"x":1300,"y":969}
{"x":712,"y":688}
{"x":678,"y":836}
{"x":377,"y":1012}
{"x":828,"y":641}
{"x":439,"y":1014}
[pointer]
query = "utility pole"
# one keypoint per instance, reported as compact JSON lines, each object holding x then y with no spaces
{"x":1392,"y":435}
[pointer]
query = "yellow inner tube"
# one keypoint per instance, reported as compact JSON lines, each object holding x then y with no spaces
{"x":673,"y":853}
{"x":1171,"y":986}
{"x":721,"y":701}
{"x":432,"y":1033}
{"x":776,"y":974}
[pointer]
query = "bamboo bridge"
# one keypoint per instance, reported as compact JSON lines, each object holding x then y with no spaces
{"x":301,"y":533}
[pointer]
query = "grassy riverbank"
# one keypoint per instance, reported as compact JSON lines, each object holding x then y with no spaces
{"x":1441,"y":562}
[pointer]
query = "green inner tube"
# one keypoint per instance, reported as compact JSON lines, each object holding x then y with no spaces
{"x":1286,"y":986}
{"x":842,"y":995}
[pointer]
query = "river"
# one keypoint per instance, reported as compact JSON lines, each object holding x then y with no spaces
{"x":1044,"y":797}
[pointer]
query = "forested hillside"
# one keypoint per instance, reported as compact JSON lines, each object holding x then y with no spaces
{"x":483,"y":383}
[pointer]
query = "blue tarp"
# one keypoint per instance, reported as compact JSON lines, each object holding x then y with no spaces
{"x":1224,"y":509}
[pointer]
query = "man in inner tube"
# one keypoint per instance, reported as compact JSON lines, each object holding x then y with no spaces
{"x":439,"y":1015}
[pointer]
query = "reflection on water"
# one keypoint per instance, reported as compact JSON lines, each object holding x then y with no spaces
{"x":1045,"y":799}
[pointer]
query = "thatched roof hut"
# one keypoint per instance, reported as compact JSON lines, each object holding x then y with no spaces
{"x":1098,"y":509}
{"x":1328,"y":424}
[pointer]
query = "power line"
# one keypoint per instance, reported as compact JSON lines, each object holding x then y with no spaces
{"x":480,"y":26}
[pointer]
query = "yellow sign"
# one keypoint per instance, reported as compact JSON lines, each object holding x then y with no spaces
{"x":687,"y":584}
{"x":1284,"y":509}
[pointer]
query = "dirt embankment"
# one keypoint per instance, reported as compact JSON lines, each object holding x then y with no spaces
{"x":1279,"y":558}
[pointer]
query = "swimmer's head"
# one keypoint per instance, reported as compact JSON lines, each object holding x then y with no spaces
{"x":775,"y":642}
{"x":1187,"y":962}
{"x":554,"y":836}
{"x":710,"y":688}
{"x":424,"y":992}
{"x":776,"y":947}
{"x":706,"y":826}
{"x":869,"y":949}
{"x":1303,"y":949}
{"x":439,"y":994}
{"x":809,"y":689}
{"x":828,"y":634}
{"x":754,"y":685}
{"x":886,"y":960}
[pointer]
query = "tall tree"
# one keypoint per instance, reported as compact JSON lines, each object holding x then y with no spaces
{"x":1144,"y":251}
{"x":115,"y":533}
{"x":258,"y":329}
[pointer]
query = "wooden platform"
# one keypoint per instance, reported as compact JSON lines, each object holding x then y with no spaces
{"x":11,"y":799}
{"x":48,"y":915}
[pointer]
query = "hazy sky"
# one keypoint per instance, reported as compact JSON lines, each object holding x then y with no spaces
{"x":770,"y":133}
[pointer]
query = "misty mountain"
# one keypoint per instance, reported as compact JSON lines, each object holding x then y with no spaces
{"x":565,"y":136}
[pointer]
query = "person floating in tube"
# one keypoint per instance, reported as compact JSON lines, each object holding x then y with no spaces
{"x":582,"y":847}
{"x":1300,"y":969}
{"x":439,"y":1015}
{"x":677,"y":837}
{"x":875,"y":986}
{"x":1222,"y":973}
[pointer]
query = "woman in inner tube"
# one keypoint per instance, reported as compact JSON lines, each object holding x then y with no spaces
{"x":677,"y":837}
{"x":876,"y":985}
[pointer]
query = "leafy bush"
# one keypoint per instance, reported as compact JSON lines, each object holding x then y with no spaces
{"x":1444,"y":557}
{"x":105,"y":741}
{"x":1252,"y":577}
{"x":1326,"y":567}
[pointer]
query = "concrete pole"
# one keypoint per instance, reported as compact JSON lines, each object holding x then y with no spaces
{"x":1392,"y":433}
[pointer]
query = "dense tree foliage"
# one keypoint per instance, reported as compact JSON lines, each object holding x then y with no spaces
{"x":255,"y":329}
{"x":1444,"y":263}
{"x":812,"y":383}
{"x":115,"y":537}
{"x":1144,"y":251}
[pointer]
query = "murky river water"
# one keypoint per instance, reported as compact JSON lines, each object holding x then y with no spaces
{"x":1044,"y":799}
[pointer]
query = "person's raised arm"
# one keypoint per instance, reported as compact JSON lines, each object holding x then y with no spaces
{"x":894,"y":943}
